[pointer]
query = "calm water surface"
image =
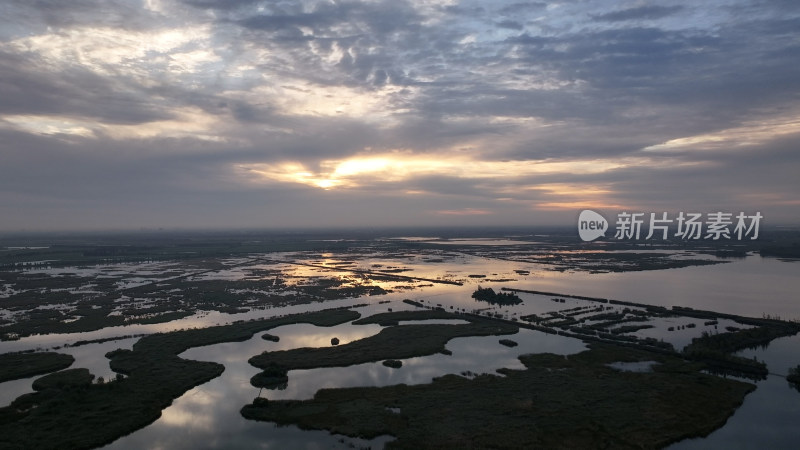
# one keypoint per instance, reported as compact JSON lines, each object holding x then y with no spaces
{"x":208,"y":415}
{"x":770,"y":415}
{"x":751,"y":286}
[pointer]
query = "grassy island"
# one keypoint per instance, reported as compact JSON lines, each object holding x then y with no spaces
{"x":556,"y":402}
{"x":496,"y":298}
{"x":394,"y":342}
{"x":14,"y":366}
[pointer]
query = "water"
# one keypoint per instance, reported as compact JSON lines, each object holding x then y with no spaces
{"x":89,"y":356}
{"x":10,"y":390}
{"x":208,"y":415}
{"x":470,"y":354}
{"x":751,"y":286}
{"x":770,"y":415}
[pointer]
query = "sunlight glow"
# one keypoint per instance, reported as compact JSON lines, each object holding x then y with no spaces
{"x":581,"y":190}
{"x":361,"y":166}
{"x":578,"y":205}
{"x":752,"y":133}
{"x":571,"y":196}
{"x":394,"y":167}
{"x":188,"y":122}
{"x":49,"y":125}
{"x":115,"y":51}
{"x":302,"y":98}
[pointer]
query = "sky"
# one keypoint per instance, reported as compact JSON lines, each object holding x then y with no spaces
{"x":175,"y":114}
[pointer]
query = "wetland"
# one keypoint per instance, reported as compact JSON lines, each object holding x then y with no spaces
{"x":186,"y":341}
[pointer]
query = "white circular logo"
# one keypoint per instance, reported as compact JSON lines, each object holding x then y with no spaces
{"x":591,"y":225}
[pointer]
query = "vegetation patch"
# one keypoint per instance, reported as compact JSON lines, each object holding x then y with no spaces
{"x":793,"y":377}
{"x":413,"y":303}
{"x":272,"y":377}
{"x":490,"y":296}
{"x":715,"y":349}
{"x":92,"y":415}
{"x":394,"y":317}
{"x":270,"y":337}
{"x":741,"y":339}
{"x":630,"y":328}
{"x":397,"y":342}
{"x":556,"y":402}
{"x":65,"y":379}
{"x":14,"y":366}
{"x":508,"y":342}
{"x":393,"y":363}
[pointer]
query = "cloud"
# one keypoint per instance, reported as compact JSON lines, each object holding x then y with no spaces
{"x":521,"y":8}
{"x":162,"y":111}
{"x":650,"y":12}
{"x":221,"y":4}
{"x":510,"y":24}
{"x":463,"y":212}
{"x":29,"y":87}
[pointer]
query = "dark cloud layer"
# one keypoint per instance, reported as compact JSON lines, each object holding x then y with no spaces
{"x":650,"y":12}
{"x":211,"y":113}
